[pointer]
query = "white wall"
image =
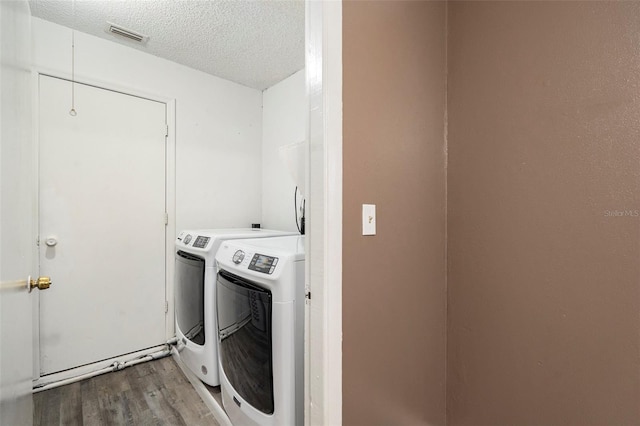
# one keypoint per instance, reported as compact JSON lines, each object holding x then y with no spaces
{"x":16,"y":204}
{"x":284,"y":121}
{"x":218,"y":123}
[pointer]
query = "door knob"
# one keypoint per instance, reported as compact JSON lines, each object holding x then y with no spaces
{"x":41,"y":283}
{"x":50,"y":242}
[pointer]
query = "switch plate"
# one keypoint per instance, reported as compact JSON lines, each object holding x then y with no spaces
{"x":368,"y":219}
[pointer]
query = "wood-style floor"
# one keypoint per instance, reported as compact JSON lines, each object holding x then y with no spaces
{"x":151,"y":393}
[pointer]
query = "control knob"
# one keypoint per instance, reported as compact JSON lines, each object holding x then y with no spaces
{"x":238,"y":257}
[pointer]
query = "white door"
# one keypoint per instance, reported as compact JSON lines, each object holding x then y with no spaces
{"x":102,"y":224}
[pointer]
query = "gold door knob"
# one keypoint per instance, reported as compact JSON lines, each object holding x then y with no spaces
{"x":41,"y":283}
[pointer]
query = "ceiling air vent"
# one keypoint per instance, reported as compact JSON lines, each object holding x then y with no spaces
{"x":124,"y":32}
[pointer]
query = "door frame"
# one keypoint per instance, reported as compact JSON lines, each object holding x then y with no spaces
{"x":324,"y":23}
{"x":323,"y":363}
{"x":170,"y":192}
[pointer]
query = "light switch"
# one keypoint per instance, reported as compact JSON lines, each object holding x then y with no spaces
{"x":368,"y":219}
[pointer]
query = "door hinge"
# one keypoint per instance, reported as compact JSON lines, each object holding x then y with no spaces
{"x":166,"y":128}
{"x":38,"y":241}
{"x":166,"y":306}
{"x":166,"y":219}
{"x":307,"y":295}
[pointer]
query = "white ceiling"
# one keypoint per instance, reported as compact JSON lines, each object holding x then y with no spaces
{"x":256,"y":43}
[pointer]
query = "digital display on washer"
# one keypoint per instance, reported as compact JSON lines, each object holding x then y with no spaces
{"x":263,"y":263}
{"x":201,"y":242}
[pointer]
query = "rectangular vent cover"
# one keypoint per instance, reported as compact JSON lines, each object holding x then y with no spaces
{"x":124,"y":32}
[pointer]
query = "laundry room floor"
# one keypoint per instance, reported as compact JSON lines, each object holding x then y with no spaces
{"x":151,"y":393}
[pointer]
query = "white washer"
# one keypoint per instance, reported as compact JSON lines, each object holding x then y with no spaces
{"x":195,"y":278}
{"x":260,"y":297}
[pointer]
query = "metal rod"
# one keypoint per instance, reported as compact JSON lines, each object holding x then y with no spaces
{"x":73,"y":61}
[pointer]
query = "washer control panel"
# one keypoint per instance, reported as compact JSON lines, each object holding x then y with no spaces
{"x":263,"y":263}
{"x":201,"y":242}
{"x":197,"y":241}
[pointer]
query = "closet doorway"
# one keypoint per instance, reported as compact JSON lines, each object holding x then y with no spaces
{"x":102,"y":223}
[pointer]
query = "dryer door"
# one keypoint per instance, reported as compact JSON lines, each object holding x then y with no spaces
{"x":244,"y":330}
{"x":189,"y":296}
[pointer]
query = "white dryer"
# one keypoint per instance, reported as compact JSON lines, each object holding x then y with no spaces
{"x":260,"y":297}
{"x":195,"y":279}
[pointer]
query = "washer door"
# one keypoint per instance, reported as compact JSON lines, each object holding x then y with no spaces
{"x":190,"y":296}
{"x":244,"y":332}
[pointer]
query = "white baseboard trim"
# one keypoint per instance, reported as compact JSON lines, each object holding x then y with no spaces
{"x":89,"y":368}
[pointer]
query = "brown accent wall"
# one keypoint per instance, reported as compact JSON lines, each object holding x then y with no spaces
{"x":543,"y":201}
{"x":394,"y":79}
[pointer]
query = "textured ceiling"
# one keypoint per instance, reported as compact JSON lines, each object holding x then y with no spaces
{"x":256,"y":43}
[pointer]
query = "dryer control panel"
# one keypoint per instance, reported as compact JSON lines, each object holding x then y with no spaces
{"x":263,"y":263}
{"x":250,"y":260}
